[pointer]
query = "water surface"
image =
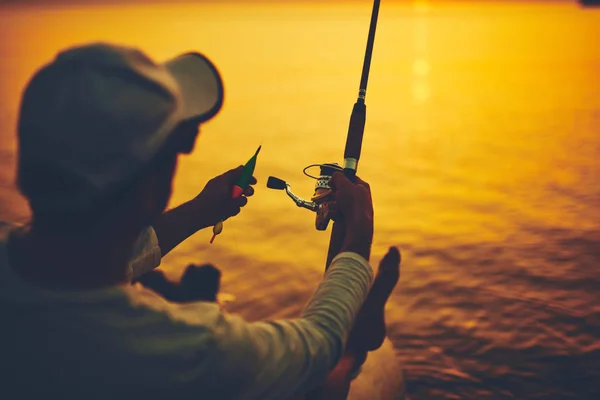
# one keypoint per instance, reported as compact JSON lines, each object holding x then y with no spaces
{"x":482,"y":148}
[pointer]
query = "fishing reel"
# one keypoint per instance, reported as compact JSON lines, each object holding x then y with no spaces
{"x":322,"y":202}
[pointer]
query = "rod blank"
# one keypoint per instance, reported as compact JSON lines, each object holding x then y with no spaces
{"x":369,"y":52}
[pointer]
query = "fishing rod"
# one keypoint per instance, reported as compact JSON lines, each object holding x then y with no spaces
{"x":359,"y":111}
{"x":322,"y":201}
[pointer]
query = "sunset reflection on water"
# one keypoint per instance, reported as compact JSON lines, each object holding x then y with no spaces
{"x":481,"y":148}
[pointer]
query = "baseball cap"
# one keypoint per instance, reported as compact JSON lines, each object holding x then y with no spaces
{"x":100,"y":112}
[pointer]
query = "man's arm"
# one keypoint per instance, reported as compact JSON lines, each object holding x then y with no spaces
{"x":286,"y":358}
{"x":213,"y":204}
{"x":176,"y":225}
{"x":167,"y":232}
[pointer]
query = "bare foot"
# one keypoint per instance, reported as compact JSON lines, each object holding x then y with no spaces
{"x":369,"y":329}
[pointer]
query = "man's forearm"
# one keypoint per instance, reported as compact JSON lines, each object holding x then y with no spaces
{"x":341,"y":294}
{"x":285,"y":357}
{"x":176,"y":225}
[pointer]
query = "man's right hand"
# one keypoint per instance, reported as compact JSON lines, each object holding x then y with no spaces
{"x":356,"y":207}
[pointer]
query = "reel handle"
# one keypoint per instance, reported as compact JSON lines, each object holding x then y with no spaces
{"x":276,"y":183}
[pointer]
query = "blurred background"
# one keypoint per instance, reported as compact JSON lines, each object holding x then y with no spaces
{"x":482,"y":148}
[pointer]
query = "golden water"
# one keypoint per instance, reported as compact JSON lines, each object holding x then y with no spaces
{"x":482,"y":148}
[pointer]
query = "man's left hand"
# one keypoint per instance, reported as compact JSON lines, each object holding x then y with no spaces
{"x":214,"y":203}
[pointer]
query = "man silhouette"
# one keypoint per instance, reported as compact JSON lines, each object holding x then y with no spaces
{"x":100,"y":131}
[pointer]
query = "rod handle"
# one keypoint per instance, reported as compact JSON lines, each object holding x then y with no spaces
{"x":354,"y":140}
{"x":356,"y":130}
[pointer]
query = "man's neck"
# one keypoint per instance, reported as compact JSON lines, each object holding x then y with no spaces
{"x":72,"y":261}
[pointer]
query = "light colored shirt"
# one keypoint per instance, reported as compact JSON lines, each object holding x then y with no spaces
{"x":146,"y":254}
{"x":127,"y":342}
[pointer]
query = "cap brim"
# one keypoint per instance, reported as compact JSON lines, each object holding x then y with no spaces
{"x":200,"y":84}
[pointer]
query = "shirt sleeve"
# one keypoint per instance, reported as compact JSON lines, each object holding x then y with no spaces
{"x":284,"y":358}
{"x":146,"y":254}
